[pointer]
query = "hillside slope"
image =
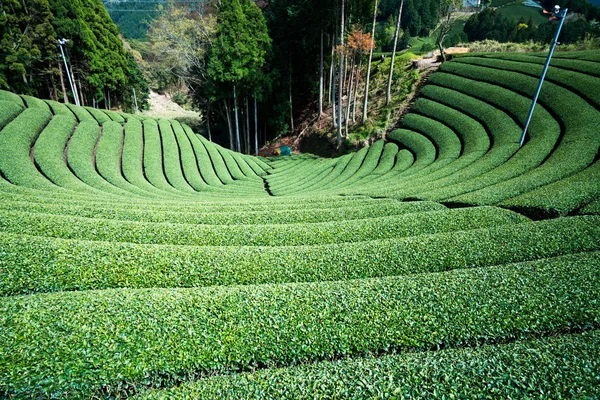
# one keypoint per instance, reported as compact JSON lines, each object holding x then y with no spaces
{"x":139,"y":259}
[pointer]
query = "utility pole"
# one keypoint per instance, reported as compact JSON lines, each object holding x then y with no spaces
{"x":135,"y":102}
{"x":62,"y":42}
{"x":556,"y":15}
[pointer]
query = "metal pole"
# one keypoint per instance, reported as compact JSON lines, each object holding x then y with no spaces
{"x":135,"y":101}
{"x":60,"y":44}
{"x":560,"y":15}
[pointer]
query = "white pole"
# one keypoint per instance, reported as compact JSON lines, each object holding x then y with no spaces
{"x":60,"y":44}
{"x":560,"y":15}
{"x":135,"y":101}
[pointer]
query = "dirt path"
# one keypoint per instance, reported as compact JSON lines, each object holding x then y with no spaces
{"x":161,"y":106}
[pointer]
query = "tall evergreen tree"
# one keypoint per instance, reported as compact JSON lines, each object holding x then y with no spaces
{"x":239,"y":49}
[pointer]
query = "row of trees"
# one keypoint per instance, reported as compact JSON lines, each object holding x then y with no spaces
{"x":493,"y":25}
{"x":244,"y":61}
{"x":102,"y":71}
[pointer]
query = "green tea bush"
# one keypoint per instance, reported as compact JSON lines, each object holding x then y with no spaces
{"x":8,"y":112}
{"x":321,"y":233}
{"x":153,"y":157}
{"x":11,"y":98}
{"x":33,"y":102}
{"x":514,"y":370}
{"x":81,"y":160}
{"x":423,"y":149}
{"x":50,"y":153}
{"x":132,"y":164}
{"x":472,"y":134}
{"x":16,"y":140}
{"x":171,"y":161}
{"x":188,"y":159}
{"x":80,"y":113}
{"x":108,"y":158}
{"x":135,"y":338}
{"x":38,"y":264}
{"x":98,"y":115}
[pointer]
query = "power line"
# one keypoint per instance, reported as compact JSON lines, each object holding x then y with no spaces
{"x":29,"y":57}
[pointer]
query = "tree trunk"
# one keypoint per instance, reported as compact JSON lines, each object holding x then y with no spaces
{"x":340,"y":86}
{"x":247,"y":128}
{"x":237,"y":124}
{"x":291,"y":104}
{"x":348,"y":101}
{"x":321,"y":79}
{"x":331,"y":69}
{"x":229,"y":128}
{"x":332,"y":83}
{"x":62,"y":83}
{"x":365,"y":104}
{"x":208,"y":121}
{"x":388,"y":96}
{"x":81,"y":97}
{"x":356,"y":88}
{"x":255,"y":128}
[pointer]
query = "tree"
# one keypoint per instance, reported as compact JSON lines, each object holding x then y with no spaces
{"x":358,"y":44}
{"x":366,"y":101}
{"x":388,"y":97}
{"x":239,"y":49}
{"x":27,"y":43}
{"x":341,"y":75}
{"x":447,"y":17}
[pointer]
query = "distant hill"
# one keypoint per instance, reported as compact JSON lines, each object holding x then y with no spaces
{"x":595,"y":2}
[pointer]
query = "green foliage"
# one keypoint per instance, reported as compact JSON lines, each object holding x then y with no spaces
{"x":153,"y":257}
{"x":515,"y":370}
{"x":224,"y":330}
{"x":153,"y":157}
{"x":81,"y":157}
{"x":16,"y":140}
{"x":31,"y":61}
{"x":9,"y":111}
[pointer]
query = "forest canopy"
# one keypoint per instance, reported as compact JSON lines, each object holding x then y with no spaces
{"x":102,"y":70}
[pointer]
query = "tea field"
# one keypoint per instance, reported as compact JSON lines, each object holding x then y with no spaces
{"x":139,"y":260}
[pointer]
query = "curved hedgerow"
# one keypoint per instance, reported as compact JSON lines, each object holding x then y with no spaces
{"x":98,"y":115}
{"x":49,"y":153}
{"x":35,"y":103}
{"x":132,"y":261}
{"x":255,"y":235}
{"x":49,"y":264}
{"x":230,"y":329}
{"x":188,"y":159}
{"x":16,"y":141}
{"x":132,"y":164}
{"x":171,"y":158}
{"x":108,"y":158}
{"x":8,"y":112}
{"x":11,"y":98}
{"x":81,"y":157}
{"x":153,"y":157}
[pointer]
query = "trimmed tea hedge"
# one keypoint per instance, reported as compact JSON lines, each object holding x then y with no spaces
{"x":8,"y":112}
{"x":37,"y":264}
{"x":80,"y":157}
{"x":49,"y":153}
{"x":16,"y":140}
{"x":171,"y":158}
{"x":256,"y":235}
{"x":514,"y":370}
{"x":108,"y":158}
{"x":134,"y":338}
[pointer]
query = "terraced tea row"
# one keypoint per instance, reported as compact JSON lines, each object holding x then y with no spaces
{"x":139,"y":259}
{"x":174,"y":333}
{"x":461,"y":141}
{"x":84,"y":153}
